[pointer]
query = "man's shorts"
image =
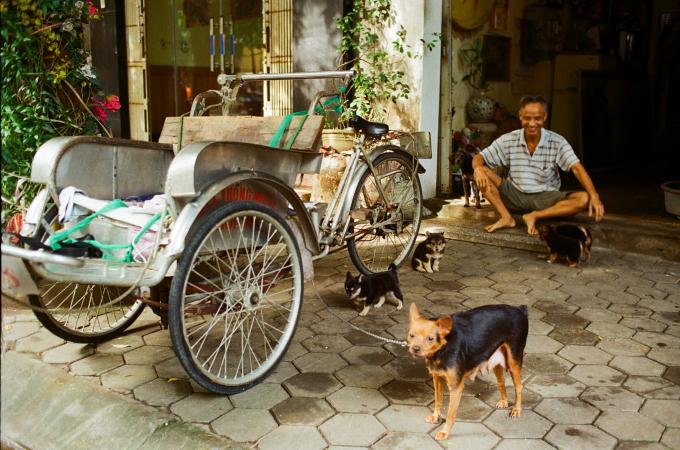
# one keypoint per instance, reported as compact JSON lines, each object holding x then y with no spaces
{"x":520,"y":202}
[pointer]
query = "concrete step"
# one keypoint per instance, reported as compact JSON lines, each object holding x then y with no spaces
{"x":632,"y":234}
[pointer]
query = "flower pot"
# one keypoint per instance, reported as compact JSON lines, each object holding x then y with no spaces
{"x":480,"y":108}
{"x":671,"y":193}
{"x":341,"y":140}
{"x":327,"y":180}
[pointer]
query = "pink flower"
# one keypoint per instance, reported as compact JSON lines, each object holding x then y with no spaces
{"x":112,"y":103}
{"x":100,"y":113}
{"x":91,"y":9}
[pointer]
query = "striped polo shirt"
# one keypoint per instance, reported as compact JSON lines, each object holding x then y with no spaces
{"x":532,"y":173}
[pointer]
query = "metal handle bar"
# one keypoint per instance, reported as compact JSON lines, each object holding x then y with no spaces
{"x":289,"y":75}
{"x":40,"y":256}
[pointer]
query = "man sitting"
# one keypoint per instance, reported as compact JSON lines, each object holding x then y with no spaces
{"x":533,"y":155}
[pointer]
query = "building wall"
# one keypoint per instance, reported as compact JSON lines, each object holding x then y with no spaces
{"x":523,"y":79}
{"x":315,"y":46}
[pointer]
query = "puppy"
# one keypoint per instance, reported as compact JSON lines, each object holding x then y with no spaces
{"x":462,"y":345}
{"x":428,"y":253}
{"x":463,"y":158}
{"x":565,"y":240}
{"x":367,"y":290}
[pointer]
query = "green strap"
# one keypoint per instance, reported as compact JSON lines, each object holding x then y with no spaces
{"x":108,"y":248}
{"x":62,"y":236}
{"x":326,"y":106}
{"x":292,"y":137}
{"x":278,"y":135}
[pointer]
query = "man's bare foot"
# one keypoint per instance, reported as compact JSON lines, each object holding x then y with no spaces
{"x":530,"y":221}
{"x":501,"y":223}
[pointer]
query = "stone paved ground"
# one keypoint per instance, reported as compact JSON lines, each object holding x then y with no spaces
{"x":602,"y":368}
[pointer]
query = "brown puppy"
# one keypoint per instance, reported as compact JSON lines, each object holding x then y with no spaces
{"x":466,"y":343}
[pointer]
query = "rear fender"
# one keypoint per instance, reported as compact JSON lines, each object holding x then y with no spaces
{"x":213,"y":195}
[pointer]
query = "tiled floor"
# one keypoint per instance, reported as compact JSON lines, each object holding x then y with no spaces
{"x":602,"y":364}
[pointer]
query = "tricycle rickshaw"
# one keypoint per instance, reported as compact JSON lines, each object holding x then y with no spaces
{"x":211,"y":231}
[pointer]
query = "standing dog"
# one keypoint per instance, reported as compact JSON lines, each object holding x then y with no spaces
{"x":571,"y":242}
{"x":462,"y":345}
{"x":463,"y":158}
{"x":367,"y":290}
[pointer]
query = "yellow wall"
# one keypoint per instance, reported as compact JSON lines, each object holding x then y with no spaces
{"x":523,"y":79}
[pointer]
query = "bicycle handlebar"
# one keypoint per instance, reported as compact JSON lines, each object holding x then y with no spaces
{"x":287,"y":76}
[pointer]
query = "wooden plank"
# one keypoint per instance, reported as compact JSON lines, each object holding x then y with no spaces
{"x":253,"y":129}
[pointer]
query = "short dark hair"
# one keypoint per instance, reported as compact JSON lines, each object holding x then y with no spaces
{"x":525,"y":100}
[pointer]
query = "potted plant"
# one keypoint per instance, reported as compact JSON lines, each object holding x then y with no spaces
{"x":479,"y":107}
{"x":378,"y":64}
{"x":378,"y":80}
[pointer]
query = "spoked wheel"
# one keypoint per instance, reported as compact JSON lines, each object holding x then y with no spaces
{"x":388,"y":235}
{"x":81,"y":313}
{"x":236,"y":296}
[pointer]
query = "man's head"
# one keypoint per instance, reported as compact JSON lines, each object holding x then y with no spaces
{"x":533,"y":110}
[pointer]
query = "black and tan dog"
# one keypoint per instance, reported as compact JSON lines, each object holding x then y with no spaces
{"x":572,"y":242}
{"x":467,"y":343}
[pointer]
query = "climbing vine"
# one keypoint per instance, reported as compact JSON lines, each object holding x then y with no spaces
{"x":49,"y":87}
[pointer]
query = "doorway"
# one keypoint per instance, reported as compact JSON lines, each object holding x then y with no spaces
{"x":184,"y":60}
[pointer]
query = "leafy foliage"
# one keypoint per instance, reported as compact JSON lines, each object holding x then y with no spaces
{"x":473,"y":60}
{"x":48,"y":85}
{"x":379,"y":76}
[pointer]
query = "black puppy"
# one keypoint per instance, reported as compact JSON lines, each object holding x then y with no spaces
{"x":571,"y":242}
{"x":367,"y":290}
{"x":464,"y":344}
{"x":463,"y":158}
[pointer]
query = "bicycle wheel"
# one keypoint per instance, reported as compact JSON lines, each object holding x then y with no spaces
{"x":391,"y":231}
{"x":236,"y":296}
{"x":81,"y":312}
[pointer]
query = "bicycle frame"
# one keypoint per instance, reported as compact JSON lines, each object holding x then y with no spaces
{"x":335,"y":224}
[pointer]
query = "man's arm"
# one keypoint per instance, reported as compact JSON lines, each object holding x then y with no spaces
{"x":478,"y":164}
{"x":595,"y":206}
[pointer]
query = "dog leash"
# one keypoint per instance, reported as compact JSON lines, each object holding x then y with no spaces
{"x":366,"y":332}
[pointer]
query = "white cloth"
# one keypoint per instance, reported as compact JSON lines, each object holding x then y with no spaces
{"x":67,"y":208}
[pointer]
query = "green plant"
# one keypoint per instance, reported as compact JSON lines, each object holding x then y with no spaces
{"x":48,"y":86}
{"x":379,"y":77}
{"x":473,"y":60}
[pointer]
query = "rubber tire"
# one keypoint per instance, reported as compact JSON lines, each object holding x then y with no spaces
{"x":184,"y":266}
{"x":351,"y":245}
{"x":48,"y":321}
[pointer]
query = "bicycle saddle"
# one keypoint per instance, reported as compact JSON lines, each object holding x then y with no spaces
{"x":370,"y":129}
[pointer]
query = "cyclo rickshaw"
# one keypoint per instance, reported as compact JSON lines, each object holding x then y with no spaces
{"x":205,"y":227}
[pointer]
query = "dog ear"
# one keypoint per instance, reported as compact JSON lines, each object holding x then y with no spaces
{"x":360,"y":278}
{"x":428,"y":234}
{"x":445,"y":324}
{"x":413,"y":312}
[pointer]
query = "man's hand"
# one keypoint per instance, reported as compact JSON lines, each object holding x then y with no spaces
{"x":595,"y":207}
{"x":481,"y":178}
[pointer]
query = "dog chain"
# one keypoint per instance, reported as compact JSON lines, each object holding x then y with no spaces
{"x":366,"y":332}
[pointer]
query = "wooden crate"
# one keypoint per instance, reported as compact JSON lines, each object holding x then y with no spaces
{"x":252,"y":129}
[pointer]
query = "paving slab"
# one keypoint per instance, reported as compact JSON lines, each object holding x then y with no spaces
{"x":302,"y":411}
{"x":297,"y":437}
{"x":365,"y":429}
{"x":630,"y":426}
{"x":581,"y":437}
{"x":70,"y":411}
{"x":601,"y":359}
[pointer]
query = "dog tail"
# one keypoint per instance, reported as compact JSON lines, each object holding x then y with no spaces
{"x":524,"y":309}
{"x":392,"y":268}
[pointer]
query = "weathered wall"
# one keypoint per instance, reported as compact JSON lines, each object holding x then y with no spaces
{"x":420,"y":111}
{"x":315,"y":46}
